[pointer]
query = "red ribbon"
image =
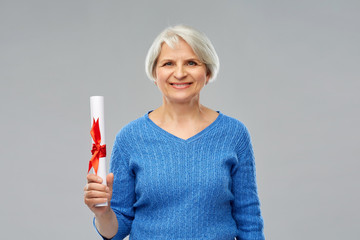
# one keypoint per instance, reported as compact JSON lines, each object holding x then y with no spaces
{"x":97,"y":151}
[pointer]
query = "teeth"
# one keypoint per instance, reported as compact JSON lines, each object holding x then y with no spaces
{"x":180,"y":85}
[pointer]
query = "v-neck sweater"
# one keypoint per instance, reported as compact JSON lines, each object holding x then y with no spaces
{"x":204,"y":187}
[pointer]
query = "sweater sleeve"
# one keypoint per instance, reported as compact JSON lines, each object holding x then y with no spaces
{"x":123,"y":196}
{"x":246,"y":204}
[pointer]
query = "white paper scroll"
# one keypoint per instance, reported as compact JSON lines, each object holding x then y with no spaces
{"x":97,"y":111}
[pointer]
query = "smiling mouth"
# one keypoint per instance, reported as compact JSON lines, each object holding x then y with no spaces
{"x":180,"y":85}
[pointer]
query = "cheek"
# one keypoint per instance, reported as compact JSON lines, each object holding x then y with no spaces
{"x":200,"y":74}
{"x":161,"y":75}
{"x":202,"y":77}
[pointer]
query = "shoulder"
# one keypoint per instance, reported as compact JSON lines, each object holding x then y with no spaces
{"x":237,"y":129}
{"x":233,"y":124}
{"x":130,"y":130}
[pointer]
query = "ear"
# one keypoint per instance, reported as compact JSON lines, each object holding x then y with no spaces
{"x":208,"y":75}
{"x":154,"y":74}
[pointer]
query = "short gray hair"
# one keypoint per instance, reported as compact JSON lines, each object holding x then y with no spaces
{"x":197,"y":40}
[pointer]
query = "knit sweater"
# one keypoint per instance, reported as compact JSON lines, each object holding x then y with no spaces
{"x":204,"y":187}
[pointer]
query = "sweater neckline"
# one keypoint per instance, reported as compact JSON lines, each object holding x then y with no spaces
{"x":192,"y":138}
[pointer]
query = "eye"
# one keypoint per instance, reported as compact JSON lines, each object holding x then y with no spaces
{"x":192,"y":63}
{"x":167,"y":64}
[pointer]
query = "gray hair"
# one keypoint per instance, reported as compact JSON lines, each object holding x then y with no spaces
{"x":198,"y":41}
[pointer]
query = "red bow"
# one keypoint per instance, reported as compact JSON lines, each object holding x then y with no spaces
{"x":97,"y":151}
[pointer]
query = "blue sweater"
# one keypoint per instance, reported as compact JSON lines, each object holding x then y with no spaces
{"x":169,"y":188}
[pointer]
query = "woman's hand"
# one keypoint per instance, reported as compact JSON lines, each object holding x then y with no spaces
{"x":95,"y":192}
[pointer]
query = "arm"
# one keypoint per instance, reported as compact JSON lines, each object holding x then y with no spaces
{"x":95,"y":192}
{"x":123,"y":196}
{"x":113,"y":221}
{"x":246,"y":205}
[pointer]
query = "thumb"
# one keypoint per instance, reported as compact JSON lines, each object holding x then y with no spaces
{"x":110,"y":181}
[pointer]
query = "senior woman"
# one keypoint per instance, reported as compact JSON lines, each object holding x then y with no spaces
{"x":182,"y":171}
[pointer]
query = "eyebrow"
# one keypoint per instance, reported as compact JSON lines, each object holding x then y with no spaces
{"x":165,"y":60}
{"x":187,"y":59}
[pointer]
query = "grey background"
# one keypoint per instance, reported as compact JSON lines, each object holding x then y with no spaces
{"x":289,"y":71}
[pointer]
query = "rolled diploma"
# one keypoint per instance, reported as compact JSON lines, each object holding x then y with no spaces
{"x":97,"y":111}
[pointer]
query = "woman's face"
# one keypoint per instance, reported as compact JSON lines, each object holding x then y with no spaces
{"x":180,"y":75}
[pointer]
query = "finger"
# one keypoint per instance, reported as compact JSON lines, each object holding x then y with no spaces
{"x":110,"y":181}
{"x":93,"y":178}
{"x":96,"y":187}
{"x":91,"y":202}
{"x":96,"y":194}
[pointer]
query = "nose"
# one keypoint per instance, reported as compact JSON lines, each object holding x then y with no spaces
{"x":180,"y":72}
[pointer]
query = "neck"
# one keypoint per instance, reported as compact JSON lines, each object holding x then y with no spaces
{"x":181,"y":112}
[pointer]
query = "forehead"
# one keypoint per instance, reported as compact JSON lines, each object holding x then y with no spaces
{"x":180,"y":49}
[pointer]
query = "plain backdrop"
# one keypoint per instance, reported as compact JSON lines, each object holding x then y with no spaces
{"x":289,"y":71}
